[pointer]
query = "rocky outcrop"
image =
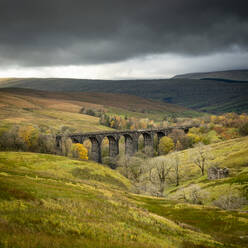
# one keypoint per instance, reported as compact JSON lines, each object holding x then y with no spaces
{"x":217,"y":173}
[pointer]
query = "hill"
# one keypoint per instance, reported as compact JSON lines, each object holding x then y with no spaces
{"x":57,"y":110}
{"x":214,"y":96}
{"x":96,"y":100}
{"x":235,"y":75}
{"x":232,"y":154}
{"x":25,"y":108}
{"x":53,"y":201}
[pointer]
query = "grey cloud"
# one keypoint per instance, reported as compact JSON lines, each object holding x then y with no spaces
{"x":63,"y":32}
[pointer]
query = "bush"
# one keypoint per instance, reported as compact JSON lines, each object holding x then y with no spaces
{"x":243,"y":130}
{"x":193,"y":194}
{"x":230,"y":201}
{"x":79,"y":151}
{"x":166,"y":144}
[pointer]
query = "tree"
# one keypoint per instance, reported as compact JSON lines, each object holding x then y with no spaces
{"x":166,"y":144}
{"x":200,"y":156}
{"x":176,"y":134}
{"x":130,"y":167}
{"x":243,"y":130}
{"x":158,"y":173}
{"x":176,"y":167}
{"x":29,"y":136}
{"x":66,"y":146}
{"x":79,"y":151}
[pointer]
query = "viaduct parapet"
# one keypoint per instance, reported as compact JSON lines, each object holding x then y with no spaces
{"x":131,"y":140}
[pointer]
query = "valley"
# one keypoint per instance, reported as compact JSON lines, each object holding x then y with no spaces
{"x":160,"y":196}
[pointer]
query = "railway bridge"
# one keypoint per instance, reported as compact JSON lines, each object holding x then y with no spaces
{"x":131,"y":140}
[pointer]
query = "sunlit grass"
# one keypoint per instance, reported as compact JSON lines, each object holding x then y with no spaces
{"x":53,"y":201}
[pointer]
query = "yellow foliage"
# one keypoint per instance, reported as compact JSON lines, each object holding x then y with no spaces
{"x":80,"y":151}
{"x":195,"y":138}
{"x":213,"y":118}
{"x":132,"y":127}
{"x":26,"y":134}
{"x":179,"y":146}
{"x":112,"y":123}
{"x":166,"y":144}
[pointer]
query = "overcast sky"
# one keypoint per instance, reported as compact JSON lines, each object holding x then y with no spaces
{"x":120,"y":39}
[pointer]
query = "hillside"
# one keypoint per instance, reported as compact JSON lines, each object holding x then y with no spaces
{"x":39,"y":109}
{"x":57,"y":110}
{"x":215,"y":96}
{"x":232,"y":154}
{"x":53,"y":201}
{"x":95,"y":100}
{"x":236,"y":75}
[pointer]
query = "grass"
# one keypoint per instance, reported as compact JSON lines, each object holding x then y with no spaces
{"x":224,"y":226}
{"x":232,"y":154}
{"x":53,"y":201}
{"x":25,"y":107}
{"x":55,"y":113}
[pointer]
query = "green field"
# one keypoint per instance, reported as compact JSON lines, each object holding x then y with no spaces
{"x":232,"y":154}
{"x":53,"y":201}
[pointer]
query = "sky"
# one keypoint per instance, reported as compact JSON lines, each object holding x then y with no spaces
{"x":121,"y":39}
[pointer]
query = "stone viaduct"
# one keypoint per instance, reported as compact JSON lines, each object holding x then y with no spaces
{"x":131,"y":140}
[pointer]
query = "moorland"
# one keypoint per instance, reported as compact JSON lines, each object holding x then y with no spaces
{"x":160,"y":197}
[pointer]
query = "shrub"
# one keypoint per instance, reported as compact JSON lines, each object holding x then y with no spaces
{"x":79,"y":151}
{"x":243,"y":130}
{"x":193,"y":194}
{"x":230,"y":201}
{"x":166,"y":144}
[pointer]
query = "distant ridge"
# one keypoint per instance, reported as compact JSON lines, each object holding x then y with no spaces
{"x":213,"y":92}
{"x":235,"y":75}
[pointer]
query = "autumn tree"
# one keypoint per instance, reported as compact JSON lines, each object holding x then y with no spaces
{"x":29,"y":136}
{"x":166,"y":144}
{"x":79,"y":151}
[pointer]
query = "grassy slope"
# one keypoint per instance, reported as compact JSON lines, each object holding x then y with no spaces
{"x":62,"y":109}
{"x":52,"y":201}
{"x":223,"y":226}
{"x":232,"y":154}
{"x":204,"y":95}
{"x":43,"y":110}
{"x":229,"y":227}
{"x":48,"y":200}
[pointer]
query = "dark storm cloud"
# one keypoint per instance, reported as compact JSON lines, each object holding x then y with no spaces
{"x":63,"y":32}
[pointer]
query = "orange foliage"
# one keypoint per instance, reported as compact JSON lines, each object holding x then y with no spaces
{"x":80,"y":151}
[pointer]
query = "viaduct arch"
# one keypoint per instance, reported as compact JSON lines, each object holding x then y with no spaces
{"x":131,"y":140}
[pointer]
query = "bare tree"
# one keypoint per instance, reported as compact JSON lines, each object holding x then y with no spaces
{"x":131,"y":167}
{"x":176,"y":167}
{"x":200,"y":156}
{"x":192,"y":194}
{"x":159,"y":172}
{"x":123,"y":165}
{"x":66,"y":146}
{"x":135,"y":168}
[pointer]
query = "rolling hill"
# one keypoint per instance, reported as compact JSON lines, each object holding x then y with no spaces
{"x":232,"y":154}
{"x":235,"y":75}
{"x":57,"y":110}
{"x":208,"y":95}
{"x":53,"y":201}
{"x":114,"y":100}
